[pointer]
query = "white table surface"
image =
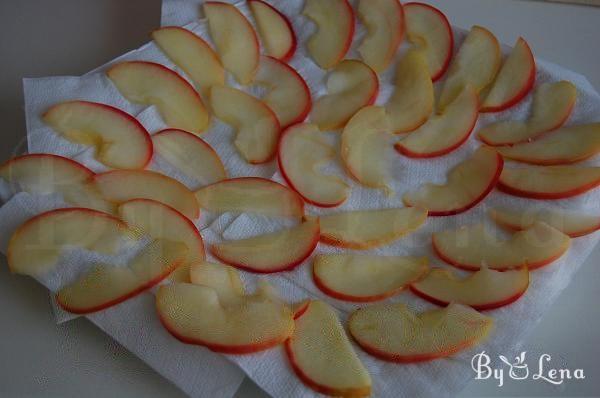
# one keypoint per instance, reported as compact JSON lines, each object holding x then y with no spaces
{"x":62,"y":37}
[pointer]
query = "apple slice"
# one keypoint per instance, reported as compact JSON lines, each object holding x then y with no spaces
{"x":394,"y":333}
{"x":35,"y":247}
{"x":514,"y":81}
{"x":105,"y":285}
{"x":551,"y":182}
{"x":412,"y":101}
{"x":192,"y":54}
{"x":302,"y":149}
{"x":323,"y":358}
{"x":190,"y":154}
{"x":335,"y":29}
{"x":468,"y":184}
{"x":256,"y":124}
{"x":252,"y":195}
{"x":470,"y":247}
{"x":288,"y":95}
{"x":119,"y":186}
{"x":366,"y":229}
{"x":445,"y":132}
{"x":476,"y":64}
{"x":350,"y":86}
{"x":552,"y":105}
{"x":562,"y":146}
{"x":225,"y":280}
{"x":366,"y":278}
{"x":234,"y":38}
{"x":429,"y":30}
{"x":118,"y":139}
{"x":275,"y":30}
{"x":485,"y":289}
{"x":384,"y":21}
{"x":567,"y":222}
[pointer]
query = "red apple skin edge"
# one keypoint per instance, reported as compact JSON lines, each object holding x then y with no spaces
{"x":49,"y":155}
{"x":548,"y":195}
{"x":302,"y":307}
{"x":575,"y":234}
{"x":350,"y":34}
{"x":292,"y":50}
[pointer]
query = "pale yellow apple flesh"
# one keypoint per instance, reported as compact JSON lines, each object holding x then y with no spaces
{"x":225,"y":280}
{"x":276,"y":32}
{"x":569,"y":223}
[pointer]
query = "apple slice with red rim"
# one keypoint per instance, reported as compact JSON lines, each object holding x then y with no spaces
{"x":119,"y":140}
{"x":443,"y":133}
{"x":468,"y":183}
{"x":429,"y":30}
{"x":149,"y":83}
{"x":323,"y":357}
{"x":469,"y":247}
{"x":234,"y":38}
{"x":514,"y":81}
{"x":302,"y":149}
{"x":366,"y":278}
{"x":275,"y":30}
{"x":393,"y":332}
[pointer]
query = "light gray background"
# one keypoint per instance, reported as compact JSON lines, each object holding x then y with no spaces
{"x":70,"y":37}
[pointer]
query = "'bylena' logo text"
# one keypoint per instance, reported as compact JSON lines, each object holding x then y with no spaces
{"x":519,"y":370}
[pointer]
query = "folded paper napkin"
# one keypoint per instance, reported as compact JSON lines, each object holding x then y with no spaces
{"x":198,"y":371}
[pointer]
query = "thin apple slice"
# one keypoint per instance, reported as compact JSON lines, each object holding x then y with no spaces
{"x":366,"y":229}
{"x":234,"y":38}
{"x":252,"y":195}
{"x":350,"y":86}
{"x":384,"y":21}
{"x":35,"y":247}
{"x":443,"y":133}
{"x":552,"y":105}
{"x":149,"y":83}
{"x":366,"y":278}
{"x":256,"y":124}
{"x":225,"y":280}
{"x":302,"y":149}
{"x":476,"y":64}
{"x":192,"y":54}
{"x":485,"y":289}
{"x":468,"y":184}
{"x":190,"y":154}
{"x":118,"y":139}
{"x":394,"y":333}
{"x":323,"y":358}
{"x":429,"y":30}
{"x":470,"y":247}
{"x":335,"y":29}
{"x":108,"y":285}
{"x":550,"y":182}
{"x":569,"y":223}
{"x":275,"y":30}
{"x":514,"y":81}
{"x":562,"y":146}
{"x":412,"y":101}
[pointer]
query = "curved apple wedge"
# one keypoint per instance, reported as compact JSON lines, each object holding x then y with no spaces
{"x":514,"y":81}
{"x":106,"y":285}
{"x":252,"y":195}
{"x":365,"y":229}
{"x":471,"y":247}
{"x":468,"y":184}
{"x":366,"y":278}
{"x":275,"y":30}
{"x":429,"y":30}
{"x":118,"y":139}
{"x":550,"y":182}
{"x":225,"y":280}
{"x":562,"y":146}
{"x":394,"y":333}
{"x":256,"y":124}
{"x":552,"y":105}
{"x":273,"y":252}
{"x":485,"y":289}
{"x":350,"y":86}
{"x":445,"y":132}
{"x":302,"y":149}
{"x":35,"y":247}
{"x":149,"y":83}
{"x":323,"y":357}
